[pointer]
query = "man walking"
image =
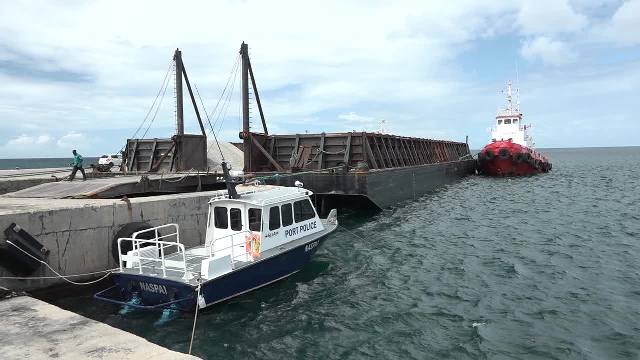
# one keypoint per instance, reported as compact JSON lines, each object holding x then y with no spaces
{"x":77,"y":165}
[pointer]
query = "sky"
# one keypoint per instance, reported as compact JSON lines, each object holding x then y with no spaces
{"x":84,"y":74}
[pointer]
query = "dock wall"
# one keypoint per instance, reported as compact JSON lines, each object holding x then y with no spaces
{"x":33,"y":329}
{"x":79,"y":233}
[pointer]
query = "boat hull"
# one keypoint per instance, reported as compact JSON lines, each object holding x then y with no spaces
{"x":155,"y":293}
{"x":505,"y":158}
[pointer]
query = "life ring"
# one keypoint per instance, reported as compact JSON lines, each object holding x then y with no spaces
{"x":252,"y":245}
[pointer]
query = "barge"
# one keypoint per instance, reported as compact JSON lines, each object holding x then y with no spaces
{"x":361,"y":169}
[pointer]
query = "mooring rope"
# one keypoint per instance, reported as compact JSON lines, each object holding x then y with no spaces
{"x":195,"y":317}
{"x":64,"y":277}
{"x":351,"y":232}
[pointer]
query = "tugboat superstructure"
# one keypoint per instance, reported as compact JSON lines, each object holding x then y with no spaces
{"x":512,"y":149}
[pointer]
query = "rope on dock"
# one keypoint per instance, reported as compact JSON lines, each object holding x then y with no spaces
{"x":64,"y":277}
{"x":195,"y":317}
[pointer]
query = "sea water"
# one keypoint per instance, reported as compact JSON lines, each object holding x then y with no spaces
{"x":541,"y":267}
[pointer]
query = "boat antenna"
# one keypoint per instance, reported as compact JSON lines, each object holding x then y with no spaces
{"x":517,"y":89}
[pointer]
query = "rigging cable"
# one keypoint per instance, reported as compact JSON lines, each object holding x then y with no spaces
{"x":209,"y":121}
{"x":222,"y":115}
{"x":234,"y":69}
{"x":166,"y":85}
{"x":166,"y":75}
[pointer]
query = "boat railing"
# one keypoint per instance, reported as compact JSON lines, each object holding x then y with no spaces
{"x":146,"y":251}
{"x":157,"y":236}
{"x":237,"y":239}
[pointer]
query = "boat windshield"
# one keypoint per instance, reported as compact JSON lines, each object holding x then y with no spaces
{"x":507,"y":121}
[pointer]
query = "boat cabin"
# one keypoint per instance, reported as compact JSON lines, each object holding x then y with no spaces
{"x":509,"y":126}
{"x":265,"y":220}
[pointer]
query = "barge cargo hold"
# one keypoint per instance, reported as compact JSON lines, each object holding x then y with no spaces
{"x":348,"y":169}
{"x":356,"y":169}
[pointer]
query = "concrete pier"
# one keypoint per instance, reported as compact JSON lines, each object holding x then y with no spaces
{"x":15,"y":180}
{"x":34,"y":329}
{"x":80,"y":232}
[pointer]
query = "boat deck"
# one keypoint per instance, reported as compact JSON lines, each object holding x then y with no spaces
{"x":194,"y":256}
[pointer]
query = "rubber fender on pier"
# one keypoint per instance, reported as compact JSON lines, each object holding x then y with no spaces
{"x":126,"y":232}
{"x":16,"y":260}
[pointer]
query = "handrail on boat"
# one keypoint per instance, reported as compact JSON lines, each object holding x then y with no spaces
{"x":135,"y":253}
{"x":232,"y":246}
{"x":155,"y":230}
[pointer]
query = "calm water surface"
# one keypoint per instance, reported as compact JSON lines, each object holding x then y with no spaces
{"x":543,"y":267}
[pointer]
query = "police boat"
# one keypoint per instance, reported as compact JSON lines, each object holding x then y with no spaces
{"x":256,"y":235}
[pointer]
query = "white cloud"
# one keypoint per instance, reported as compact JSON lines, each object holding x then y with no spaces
{"x":387,"y":60}
{"x":71,"y":140}
{"x":43,"y":139}
{"x":353,"y":117}
{"x":624,"y":28}
{"x":549,"y":51}
{"x":27,"y":140}
{"x":549,"y":16}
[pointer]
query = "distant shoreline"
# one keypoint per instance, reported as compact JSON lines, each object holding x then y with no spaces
{"x":42,"y":163}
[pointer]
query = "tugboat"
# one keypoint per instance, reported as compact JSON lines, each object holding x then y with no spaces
{"x":255,"y":235}
{"x":512,"y":149}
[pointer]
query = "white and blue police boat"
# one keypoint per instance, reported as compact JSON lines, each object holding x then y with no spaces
{"x":255,"y":236}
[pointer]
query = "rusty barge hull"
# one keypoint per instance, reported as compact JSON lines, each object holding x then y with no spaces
{"x":378,"y":188}
{"x":356,"y":169}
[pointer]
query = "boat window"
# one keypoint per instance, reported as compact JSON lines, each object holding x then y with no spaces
{"x":515,"y":121}
{"x":303,"y":210}
{"x":114,"y":156}
{"x":287,"y":215}
{"x":235,"y":217}
{"x":507,"y":121}
{"x":255,"y":219}
{"x":500,"y":122}
{"x":274,"y":217}
{"x":220,"y":217}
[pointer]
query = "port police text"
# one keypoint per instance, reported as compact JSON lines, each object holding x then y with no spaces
{"x":301,"y":229}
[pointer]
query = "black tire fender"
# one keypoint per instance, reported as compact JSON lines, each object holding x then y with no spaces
{"x":127,"y":231}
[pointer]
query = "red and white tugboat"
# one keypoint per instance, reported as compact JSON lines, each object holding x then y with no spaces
{"x":512,"y":150}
